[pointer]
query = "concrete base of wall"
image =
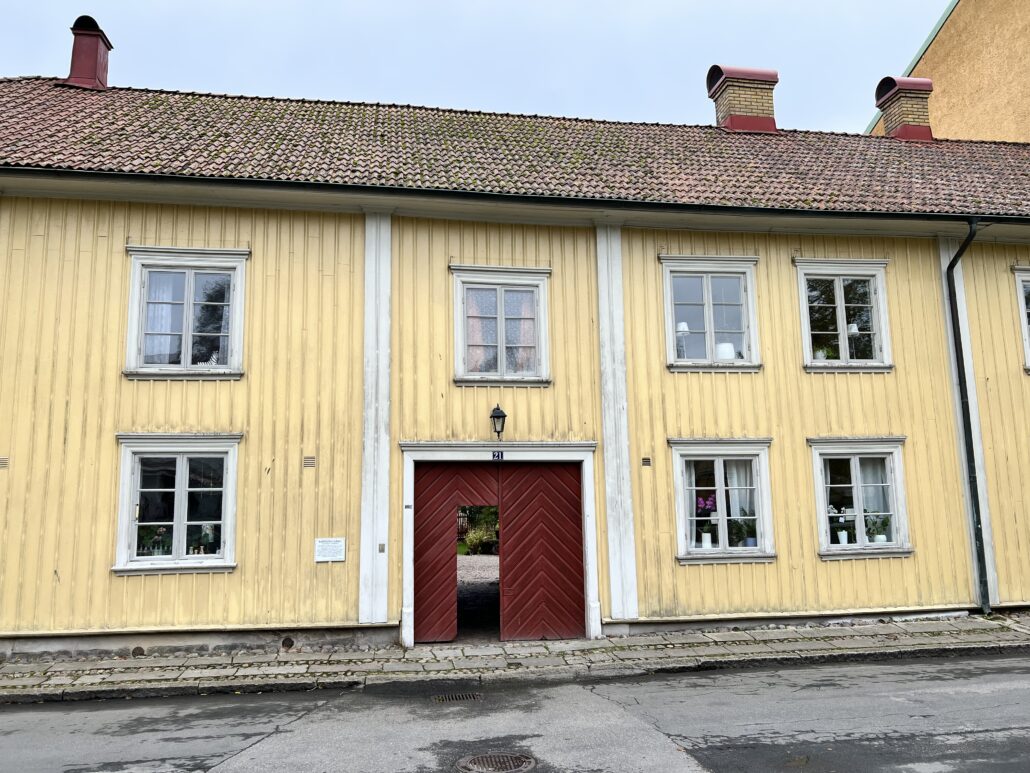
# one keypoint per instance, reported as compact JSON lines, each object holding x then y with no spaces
{"x":196,"y":642}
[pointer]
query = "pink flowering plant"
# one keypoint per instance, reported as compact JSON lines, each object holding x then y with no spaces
{"x":704,"y":509}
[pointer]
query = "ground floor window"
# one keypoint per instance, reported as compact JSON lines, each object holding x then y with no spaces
{"x":178,"y":502}
{"x":723,"y":501}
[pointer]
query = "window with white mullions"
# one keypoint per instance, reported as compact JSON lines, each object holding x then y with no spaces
{"x":859,"y":500}
{"x":179,"y":507}
{"x":187,"y":319}
{"x":710,"y":317}
{"x":1023,"y":292}
{"x":722,"y":504}
{"x":501,"y":331}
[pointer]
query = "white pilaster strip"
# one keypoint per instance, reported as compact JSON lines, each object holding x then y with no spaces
{"x":375,"y":446}
{"x":622,"y":556}
{"x":947,"y":248}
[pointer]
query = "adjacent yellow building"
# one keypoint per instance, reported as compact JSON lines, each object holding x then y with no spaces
{"x":236,"y":365}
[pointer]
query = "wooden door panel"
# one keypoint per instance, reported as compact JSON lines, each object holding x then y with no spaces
{"x":541,"y":551}
{"x":440,"y":489}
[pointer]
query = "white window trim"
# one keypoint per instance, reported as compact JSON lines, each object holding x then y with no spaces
{"x":889,"y":446}
{"x":506,"y":276}
{"x":171,"y":258}
{"x":871,"y":269}
{"x":1023,"y":277}
{"x":133,"y":443}
{"x":684,"y":264}
{"x":685,"y":449}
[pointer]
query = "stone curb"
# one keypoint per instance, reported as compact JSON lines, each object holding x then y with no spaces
{"x":544,"y":674}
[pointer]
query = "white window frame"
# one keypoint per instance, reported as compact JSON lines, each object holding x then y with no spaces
{"x":875,"y":270}
{"x":1023,"y":278}
{"x":707,"y":267}
{"x":145,"y":259}
{"x":888,"y":447}
{"x":684,"y":450}
{"x":134,"y":445}
{"x":501,"y":277}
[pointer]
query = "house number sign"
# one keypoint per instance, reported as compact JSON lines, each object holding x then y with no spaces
{"x":498,"y":456}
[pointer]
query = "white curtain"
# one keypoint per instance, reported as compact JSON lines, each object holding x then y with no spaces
{"x":875,"y":485}
{"x":520,"y":329}
{"x":740,"y":482}
{"x":480,"y":305}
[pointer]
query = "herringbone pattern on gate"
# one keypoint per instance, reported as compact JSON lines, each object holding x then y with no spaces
{"x":439,"y":490}
{"x":541,"y":552}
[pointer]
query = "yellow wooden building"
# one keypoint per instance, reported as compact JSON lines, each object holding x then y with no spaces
{"x":255,"y":352}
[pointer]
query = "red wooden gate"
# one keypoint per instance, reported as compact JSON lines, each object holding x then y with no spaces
{"x":540,"y":515}
{"x":439,"y":490}
{"x":541,"y":552}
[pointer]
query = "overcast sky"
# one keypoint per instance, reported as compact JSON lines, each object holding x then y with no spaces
{"x":637,"y":61}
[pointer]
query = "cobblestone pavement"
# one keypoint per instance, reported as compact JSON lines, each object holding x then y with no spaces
{"x":181,"y":673}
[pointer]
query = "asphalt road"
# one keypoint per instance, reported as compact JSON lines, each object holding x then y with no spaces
{"x":919,"y":716}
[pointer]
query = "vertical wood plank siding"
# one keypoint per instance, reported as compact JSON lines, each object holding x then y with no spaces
{"x":64,"y":276}
{"x":789,"y":405}
{"x":427,"y":405}
{"x":1003,"y":389}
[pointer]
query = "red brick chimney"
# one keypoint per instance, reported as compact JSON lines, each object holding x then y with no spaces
{"x":905,"y":104}
{"x":743,"y":98}
{"x":89,"y":55}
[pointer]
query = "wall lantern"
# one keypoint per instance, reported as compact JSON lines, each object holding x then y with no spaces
{"x":497,"y":417}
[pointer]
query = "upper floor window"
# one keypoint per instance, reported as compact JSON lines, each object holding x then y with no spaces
{"x":500,"y":326}
{"x":860,"y":496}
{"x":844,"y":314}
{"x":178,"y":496}
{"x":710,"y":316}
{"x":1023,"y":292}
{"x":723,"y":499}
{"x":186,"y":313}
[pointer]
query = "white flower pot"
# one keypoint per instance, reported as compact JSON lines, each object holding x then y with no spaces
{"x":879,"y":538}
{"x":725,"y":351}
{"x":842,"y":537}
{"x":706,"y":540}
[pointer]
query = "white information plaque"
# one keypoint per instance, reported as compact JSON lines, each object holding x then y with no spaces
{"x":330,"y":549}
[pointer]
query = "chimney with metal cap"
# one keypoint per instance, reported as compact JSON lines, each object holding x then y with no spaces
{"x":89,"y":55}
{"x":905,"y":104}
{"x":743,"y":98}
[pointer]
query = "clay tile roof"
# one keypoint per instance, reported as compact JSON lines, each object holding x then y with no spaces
{"x":45,"y":125}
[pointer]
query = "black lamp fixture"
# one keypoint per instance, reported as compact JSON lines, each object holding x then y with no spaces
{"x":497,"y":417}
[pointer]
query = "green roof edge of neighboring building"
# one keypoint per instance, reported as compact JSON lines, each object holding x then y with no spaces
{"x":922,"y":50}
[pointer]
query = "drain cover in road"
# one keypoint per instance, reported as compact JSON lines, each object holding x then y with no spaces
{"x":496,"y":762}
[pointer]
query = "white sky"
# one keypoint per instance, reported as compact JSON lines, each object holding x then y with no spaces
{"x":636,"y":61}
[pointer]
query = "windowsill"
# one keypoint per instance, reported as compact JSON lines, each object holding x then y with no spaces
{"x":505,"y":381}
{"x":181,"y":375}
{"x":714,"y":367}
{"x":178,"y":567}
{"x":726,"y":558}
{"x":848,"y":367}
{"x":889,"y":552}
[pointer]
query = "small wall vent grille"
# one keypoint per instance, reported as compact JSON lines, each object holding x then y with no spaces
{"x":309,"y":461}
{"x":645,"y":461}
{"x":5,"y":462}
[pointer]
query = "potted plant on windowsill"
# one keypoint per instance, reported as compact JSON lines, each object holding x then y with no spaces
{"x":839,"y":523}
{"x":739,"y":533}
{"x":877,"y":526}
{"x":705,"y":513}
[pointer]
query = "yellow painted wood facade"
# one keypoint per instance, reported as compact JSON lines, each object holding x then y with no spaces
{"x":64,"y":274}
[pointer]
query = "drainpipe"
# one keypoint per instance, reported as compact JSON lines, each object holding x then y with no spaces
{"x":967,"y":419}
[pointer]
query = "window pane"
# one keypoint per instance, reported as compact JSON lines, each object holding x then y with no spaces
{"x":825,"y":346}
{"x":481,"y":359}
{"x":876,"y":499}
{"x":481,"y":331}
{"x":729,"y":346}
{"x":857,"y":290}
{"x":211,"y":288}
{"x":520,"y":332}
{"x":873,"y":470}
{"x":206,"y":472}
{"x":821,"y":291}
{"x":210,"y":350}
{"x":210,"y":319}
{"x":164,"y":318}
{"x":157,"y":472}
{"x":727,"y":289}
{"x":698,"y":530}
{"x":688,"y":289}
{"x":204,"y":505}
{"x":861,"y":316}
{"x":691,"y":346}
{"x":742,"y":532}
{"x":861,"y":347}
{"x":822,"y":319}
{"x":156,"y":506}
{"x":520,"y":359}
{"x":153,"y":540}
{"x":481,"y":301}
{"x":842,"y":530}
{"x":162,"y":350}
{"x":519,"y":303}
{"x":166,"y":286}
{"x":729,"y":318}
{"x":204,"y":540}
{"x":692,"y":316}
{"x":838,"y":471}
{"x":879,"y":528}
{"x":840,"y":499}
